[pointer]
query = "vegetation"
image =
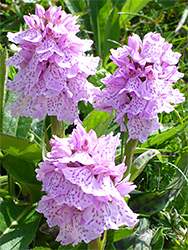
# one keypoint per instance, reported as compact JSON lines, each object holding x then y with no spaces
{"x":161,"y":197}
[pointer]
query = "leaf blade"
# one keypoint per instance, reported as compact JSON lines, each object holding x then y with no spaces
{"x":140,"y":162}
{"x":95,"y":119}
{"x":164,"y":136}
{"x":131,"y":7}
{"x":112,"y":32}
{"x":20,"y":147}
{"x":18,"y":225}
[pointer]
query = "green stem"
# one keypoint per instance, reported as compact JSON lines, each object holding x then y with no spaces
{"x":122,"y":145}
{"x":11,"y":185}
{"x":94,"y":244}
{"x":130,"y":148}
{"x":103,"y":242}
{"x":178,"y":116}
{"x":46,"y":143}
{"x":98,"y":244}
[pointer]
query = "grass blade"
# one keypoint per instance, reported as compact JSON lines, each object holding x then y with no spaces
{"x":131,"y":7}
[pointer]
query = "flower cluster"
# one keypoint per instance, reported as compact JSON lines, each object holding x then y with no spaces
{"x":84,"y":188}
{"x":53,"y":66}
{"x":141,"y":87}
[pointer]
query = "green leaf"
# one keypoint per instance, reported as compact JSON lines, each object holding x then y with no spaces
{"x":104,"y":10}
{"x":131,"y":7}
{"x":21,"y":170}
{"x":2,"y":86}
{"x":99,"y":13}
{"x":140,"y":162}
{"x":112,"y":32}
{"x":148,"y":203}
{"x":110,"y":247}
{"x":102,"y":128}
{"x":24,"y":173}
{"x":98,"y":121}
{"x":96,"y":79}
{"x":3,"y":180}
{"x":121,"y":233}
{"x":118,"y":3}
{"x":158,"y":240}
{"x":18,"y":225}
{"x":9,"y":122}
{"x":164,"y":136}
{"x":93,"y":6}
{"x":140,"y":239}
{"x":78,"y":7}
{"x":21,"y":148}
{"x":24,"y":124}
{"x":180,"y":178}
{"x":4,"y":194}
{"x":75,"y":6}
{"x":94,"y":119}
{"x":16,"y":126}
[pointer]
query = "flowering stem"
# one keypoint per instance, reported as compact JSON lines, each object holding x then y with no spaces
{"x":130,"y":148}
{"x":98,"y":244}
{"x":94,"y":244}
{"x":122,"y":145}
{"x":11,"y":185}
{"x":103,"y":242}
{"x":57,"y":129}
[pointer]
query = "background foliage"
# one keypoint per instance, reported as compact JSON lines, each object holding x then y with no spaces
{"x":161,"y":198}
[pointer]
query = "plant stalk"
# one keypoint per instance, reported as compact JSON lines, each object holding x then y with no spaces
{"x":11,"y":185}
{"x":98,"y":244}
{"x":130,"y":148}
{"x":122,"y":145}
